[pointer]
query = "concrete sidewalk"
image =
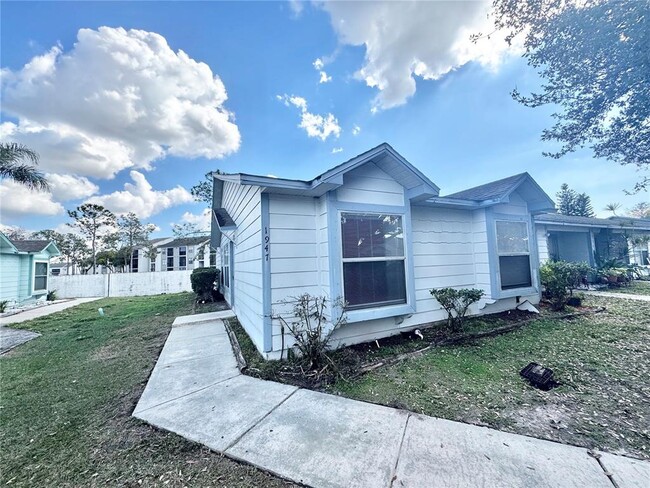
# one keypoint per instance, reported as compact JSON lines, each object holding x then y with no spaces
{"x":34,"y":313}
{"x":196,"y":391}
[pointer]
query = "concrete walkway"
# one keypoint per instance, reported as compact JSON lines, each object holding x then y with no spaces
{"x":197,"y":391}
{"x":628,"y":296}
{"x":36,"y":312}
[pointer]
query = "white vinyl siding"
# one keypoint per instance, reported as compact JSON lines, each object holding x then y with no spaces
{"x":370,"y":185}
{"x":242,"y":202}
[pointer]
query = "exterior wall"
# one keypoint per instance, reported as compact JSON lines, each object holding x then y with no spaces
{"x":370,"y":185}
{"x":542,"y":243}
{"x":120,"y":284}
{"x":10,"y":264}
{"x":17,"y":277}
{"x":243,"y":204}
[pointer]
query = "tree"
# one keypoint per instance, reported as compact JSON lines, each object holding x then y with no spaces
{"x":92,"y":221}
{"x":570,"y":202}
{"x":202,"y":191}
{"x":17,"y":163}
{"x":641,"y":210}
{"x":612,"y":207}
{"x":186,"y":229}
{"x":132,"y":233}
{"x":15,"y":233}
{"x":73,"y":248}
{"x":593,"y":58}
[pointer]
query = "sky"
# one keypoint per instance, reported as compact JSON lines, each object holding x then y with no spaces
{"x":130,"y":104}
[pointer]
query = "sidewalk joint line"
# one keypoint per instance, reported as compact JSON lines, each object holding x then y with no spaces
{"x":184,"y":395}
{"x":393,"y":474}
{"x":597,"y":456}
{"x":233,"y":443}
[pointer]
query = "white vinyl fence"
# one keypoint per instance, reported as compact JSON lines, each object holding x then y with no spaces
{"x":120,"y":284}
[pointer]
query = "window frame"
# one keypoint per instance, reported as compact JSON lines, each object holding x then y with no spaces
{"x":533,"y":260}
{"x":334,"y":210}
{"x":345,"y":260}
{"x":46,"y":276}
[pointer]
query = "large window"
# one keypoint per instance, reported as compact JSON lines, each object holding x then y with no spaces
{"x":373,"y":260}
{"x":514,"y":254}
{"x":225,"y":264}
{"x":40,"y":276}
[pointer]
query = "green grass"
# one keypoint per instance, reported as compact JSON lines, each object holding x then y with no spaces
{"x":603,"y":361}
{"x":637,"y":287}
{"x":67,"y":397}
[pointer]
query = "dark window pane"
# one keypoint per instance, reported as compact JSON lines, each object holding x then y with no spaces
{"x":374,"y":283}
{"x":170,"y":251}
{"x":40,"y":283}
{"x":371,"y":235}
{"x":40,"y":269}
{"x":515,"y":272}
{"x":182,"y":261}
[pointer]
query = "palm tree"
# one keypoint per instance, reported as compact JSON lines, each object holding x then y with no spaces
{"x":612,"y":207}
{"x":13,"y":166}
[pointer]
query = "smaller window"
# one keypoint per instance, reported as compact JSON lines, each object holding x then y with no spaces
{"x":514,"y":254}
{"x":152,"y":266}
{"x":40,"y":276}
{"x":134,"y":261}
{"x":56,"y":271}
{"x":182,"y":262}
{"x":213,"y":258}
{"x":170,"y":264}
{"x":170,"y":251}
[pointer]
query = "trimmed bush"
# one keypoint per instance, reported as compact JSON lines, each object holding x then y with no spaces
{"x":456,"y":303}
{"x":560,"y":278}
{"x":204,"y":283}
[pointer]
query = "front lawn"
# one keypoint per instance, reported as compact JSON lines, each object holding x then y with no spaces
{"x":602,"y":360}
{"x":67,"y":397}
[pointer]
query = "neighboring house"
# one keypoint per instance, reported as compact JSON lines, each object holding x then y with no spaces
{"x":592,"y":240}
{"x":173,"y":254}
{"x":24,"y":269}
{"x":375,"y":232}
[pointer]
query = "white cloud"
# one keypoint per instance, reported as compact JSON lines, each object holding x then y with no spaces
{"x":117,"y":99}
{"x":356,"y":130}
{"x":69,"y":187}
{"x":404,"y":40}
{"x":296,"y":7}
{"x":17,"y":200}
{"x":315,"y":125}
{"x":202,"y":220}
{"x":337,"y":150}
{"x":319,"y":64}
{"x":141,"y":199}
{"x":324,"y":77}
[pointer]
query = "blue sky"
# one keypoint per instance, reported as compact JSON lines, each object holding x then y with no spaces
{"x":460,"y":126}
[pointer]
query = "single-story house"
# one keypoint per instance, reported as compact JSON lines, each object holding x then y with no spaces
{"x":593,"y":240}
{"x":24,"y":269}
{"x":376,"y":233}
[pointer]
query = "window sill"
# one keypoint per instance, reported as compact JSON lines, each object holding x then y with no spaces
{"x":515,"y":292}
{"x":379,"y":313}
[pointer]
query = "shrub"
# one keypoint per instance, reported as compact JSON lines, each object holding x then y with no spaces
{"x":203,"y":282}
{"x":560,"y":278}
{"x":456,"y":303}
{"x":3,"y":305}
{"x":310,"y":327}
{"x":51,"y":296}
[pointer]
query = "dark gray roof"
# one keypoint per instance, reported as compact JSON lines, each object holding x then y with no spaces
{"x":223,"y":219}
{"x":30,"y":246}
{"x":186,"y":241}
{"x":610,"y":223}
{"x":494,"y":190}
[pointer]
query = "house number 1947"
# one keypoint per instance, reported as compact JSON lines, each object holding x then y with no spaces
{"x":267,"y":244}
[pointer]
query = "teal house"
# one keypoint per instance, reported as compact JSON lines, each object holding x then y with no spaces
{"x":24,"y":269}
